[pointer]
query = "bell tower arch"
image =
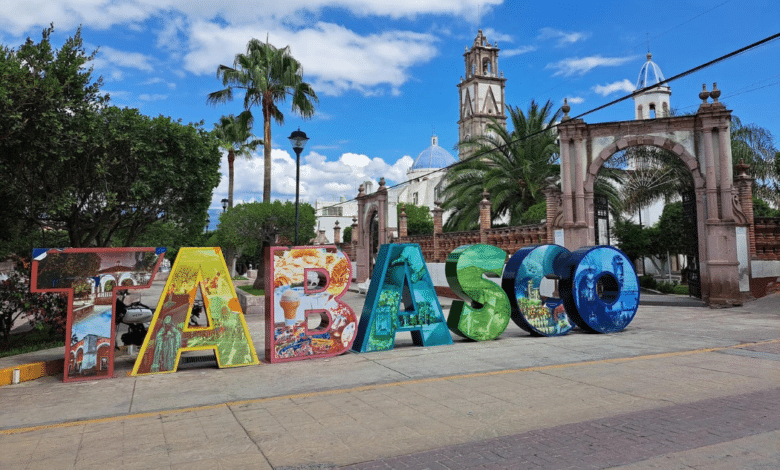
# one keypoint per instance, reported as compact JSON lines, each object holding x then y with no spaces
{"x":482,"y":91}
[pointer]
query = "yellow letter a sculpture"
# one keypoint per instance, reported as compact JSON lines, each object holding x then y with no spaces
{"x":170,"y":334}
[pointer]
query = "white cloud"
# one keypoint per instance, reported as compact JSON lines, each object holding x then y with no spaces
{"x":154,"y":97}
{"x":581,"y":66}
{"x":576,"y":100}
{"x":321,"y":179}
{"x":334,"y":59}
{"x":20,"y":16}
{"x":564,"y":38}
{"x":158,"y":80}
{"x":110,"y":62}
{"x":624,"y":85}
{"x":492,"y":36}
{"x":518,"y":51}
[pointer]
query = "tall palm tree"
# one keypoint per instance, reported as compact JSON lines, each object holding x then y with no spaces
{"x":511,"y":165}
{"x":235,"y":137}
{"x":267,"y":75}
{"x":755,"y":146}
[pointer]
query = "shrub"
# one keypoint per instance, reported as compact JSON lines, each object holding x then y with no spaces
{"x":667,"y":287}
{"x":681,"y":290}
{"x":42,"y":308}
{"x":648,"y":282}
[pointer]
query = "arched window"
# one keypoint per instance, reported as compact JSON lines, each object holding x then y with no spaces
{"x":652,"y":110}
{"x":486,"y":67}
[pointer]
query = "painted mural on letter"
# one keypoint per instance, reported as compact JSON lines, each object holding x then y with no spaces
{"x":305,"y":317}
{"x":604,"y":289}
{"x":534,"y":310}
{"x":170,"y":333}
{"x":91,"y":277}
{"x":401,"y":297}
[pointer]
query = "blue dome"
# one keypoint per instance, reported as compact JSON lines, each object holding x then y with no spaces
{"x":432,"y":158}
{"x":649,"y":75}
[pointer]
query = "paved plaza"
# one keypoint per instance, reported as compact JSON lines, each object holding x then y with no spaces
{"x":682,"y":387}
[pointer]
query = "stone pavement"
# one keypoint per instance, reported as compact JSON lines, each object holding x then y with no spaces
{"x":681,"y":387}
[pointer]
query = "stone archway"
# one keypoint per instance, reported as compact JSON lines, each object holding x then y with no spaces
{"x":370,"y":206}
{"x":702,"y":141}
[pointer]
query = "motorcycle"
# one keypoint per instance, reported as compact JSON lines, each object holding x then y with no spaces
{"x":136,"y":316}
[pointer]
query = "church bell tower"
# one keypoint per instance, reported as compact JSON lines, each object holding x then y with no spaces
{"x":482,"y":91}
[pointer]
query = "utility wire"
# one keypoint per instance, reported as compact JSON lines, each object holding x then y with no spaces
{"x":599,"y":108}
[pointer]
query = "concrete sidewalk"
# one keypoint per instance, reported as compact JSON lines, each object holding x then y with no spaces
{"x":678,"y":388}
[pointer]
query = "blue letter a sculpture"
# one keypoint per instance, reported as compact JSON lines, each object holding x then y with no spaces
{"x":401,"y":276}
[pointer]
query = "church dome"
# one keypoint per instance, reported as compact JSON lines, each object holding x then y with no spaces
{"x":650,"y":74}
{"x":432,"y":158}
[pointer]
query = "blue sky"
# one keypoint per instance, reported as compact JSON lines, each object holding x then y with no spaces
{"x":386,"y":72}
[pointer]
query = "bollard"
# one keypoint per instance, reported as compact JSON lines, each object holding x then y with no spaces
{"x":16,"y":377}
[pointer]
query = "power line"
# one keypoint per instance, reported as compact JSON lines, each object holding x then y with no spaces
{"x":599,"y":108}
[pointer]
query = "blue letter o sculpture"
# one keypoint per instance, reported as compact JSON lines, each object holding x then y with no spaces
{"x":600,"y":289}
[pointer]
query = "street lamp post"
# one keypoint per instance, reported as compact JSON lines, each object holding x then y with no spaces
{"x":298,"y":140}
{"x":224,"y":205}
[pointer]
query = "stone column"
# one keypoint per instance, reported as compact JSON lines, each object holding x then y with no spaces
{"x":361,"y":238}
{"x":726,"y":177}
{"x":552,"y":195}
{"x":403,"y":232}
{"x":382,"y":211}
{"x":744,"y":185}
{"x":336,"y":233}
{"x":437,"y":230}
{"x":579,"y":180}
{"x":484,"y":217}
{"x":354,"y":226}
{"x":568,"y":202}
{"x":712,"y":185}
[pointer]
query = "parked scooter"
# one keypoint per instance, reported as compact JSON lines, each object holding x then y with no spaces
{"x":136,"y":316}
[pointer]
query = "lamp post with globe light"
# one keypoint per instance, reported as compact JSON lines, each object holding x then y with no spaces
{"x":298,"y":140}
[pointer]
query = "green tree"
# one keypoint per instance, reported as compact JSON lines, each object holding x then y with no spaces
{"x":145,"y":158}
{"x":236,"y":138}
{"x":513,"y":166}
{"x":762,"y":209}
{"x":672,"y":236}
{"x":535,"y":213}
{"x":633,"y":240}
{"x":419,"y":220}
{"x":101,"y":173}
{"x":250,"y":227}
{"x":346,"y":237}
{"x":267,"y":75}
{"x":755,"y":146}
{"x":47,"y":103}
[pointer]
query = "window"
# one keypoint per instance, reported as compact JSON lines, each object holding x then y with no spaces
{"x":333,"y":211}
{"x":414,"y":199}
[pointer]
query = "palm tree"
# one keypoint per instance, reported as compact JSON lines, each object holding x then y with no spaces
{"x":755,"y":146}
{"x":267,"y":75}
{"x":235,"y":137}
{"x":512,"y":166}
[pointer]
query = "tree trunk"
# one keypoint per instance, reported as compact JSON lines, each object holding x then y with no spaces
{"x":231,"y":177}
{"x":266,"y":151}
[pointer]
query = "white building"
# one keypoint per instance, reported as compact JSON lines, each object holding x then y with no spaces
{"x":423,"y":188}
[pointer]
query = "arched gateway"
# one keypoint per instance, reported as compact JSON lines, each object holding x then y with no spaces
{"x":703,"y":142}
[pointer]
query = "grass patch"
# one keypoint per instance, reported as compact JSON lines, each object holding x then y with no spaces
{"x":680,"y":290}
{"x":240,"y":278}
{"x":31,"y":341}
{"x":251,"y":290}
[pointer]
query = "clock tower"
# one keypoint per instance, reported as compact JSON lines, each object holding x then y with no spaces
{"x":482,"y":91}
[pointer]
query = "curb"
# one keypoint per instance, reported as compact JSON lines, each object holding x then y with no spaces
{"x":27,"y":372}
